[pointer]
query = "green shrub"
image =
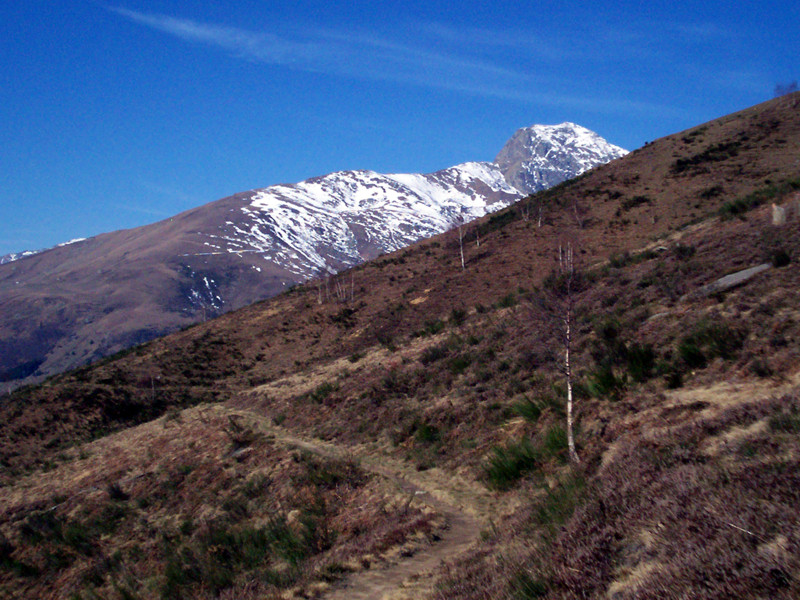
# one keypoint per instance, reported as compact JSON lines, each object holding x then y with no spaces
{"x":712,"y":192}
{"x":673,"y":377}
{"x":682,"y":251}
{"x":40,"y":525}
{"x":459,"y":364}
{"x":714,"y":153}
{"x":76,"y":535}
{"x":434,"y":327}
{"x":427,"y":434}
{"x":760,"y":368}
{"x":524,"y":587}
{"x":528,"y":409}
{"x":345,"y":318}
{"x":331,"y":473}
{"x":509,"y":463}
{"x":507,"y":301}
{"x":735,"y":208}
{"x":322,"y":391}
{"x":604,"y":383}
{"x":785,"y":423}
{"x":710,"y":340}
{"x":641,"y":360}
{"x":497,"y":221}
{"x":691,"y":354}
{"x":560,"y":502}
{"x":630,"y":203}
{"x":554,"y":442}
{"x":780,"y":258}
{"x":458,"y":316}
{"x":761,"y":196}
{"x":386,"y":340}
{"x":618,"y":261}
{"x":433,"y":353}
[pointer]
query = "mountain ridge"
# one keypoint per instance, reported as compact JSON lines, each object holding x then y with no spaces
{"x":80,"y":301}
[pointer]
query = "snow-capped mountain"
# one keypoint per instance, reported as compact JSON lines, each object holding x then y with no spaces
{"x":340,"y":220}
{"x":541,"y":156}
{"x":79,"y":301}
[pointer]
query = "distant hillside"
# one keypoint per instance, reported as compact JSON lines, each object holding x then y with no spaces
{"x":449,"y":381}
{"x":73,"y":304}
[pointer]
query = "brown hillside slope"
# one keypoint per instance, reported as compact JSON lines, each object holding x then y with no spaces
{"x":396,"y":295}
{"x":444,"y":369}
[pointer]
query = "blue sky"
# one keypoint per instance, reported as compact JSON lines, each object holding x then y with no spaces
{"x":114,"y":115}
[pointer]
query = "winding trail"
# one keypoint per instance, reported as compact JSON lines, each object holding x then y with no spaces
{"x":401,"y":580}
{"x":409,"y":577}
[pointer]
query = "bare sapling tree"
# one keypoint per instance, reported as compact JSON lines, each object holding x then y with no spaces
{"x":541,"y":209}
{"x":341,"y":290}
{"x":525,"y":209}
{"x":566,"y":266}
{"x":460,"y":227}
{"x":332,"y":286}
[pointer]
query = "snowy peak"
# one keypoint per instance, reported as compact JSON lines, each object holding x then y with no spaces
{"x":339,"y":220}
{"x":541,"y":156}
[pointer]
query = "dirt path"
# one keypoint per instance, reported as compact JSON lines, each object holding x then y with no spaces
{"x":405,"y":579}
{"x":409,"y":577}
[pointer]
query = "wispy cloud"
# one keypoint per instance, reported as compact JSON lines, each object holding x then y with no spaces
{"x":437,"y":56}
{"x":261,"y":47}
{"x":354,"y":54}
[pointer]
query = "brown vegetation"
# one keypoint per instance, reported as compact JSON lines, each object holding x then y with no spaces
{"x":686,"y":488}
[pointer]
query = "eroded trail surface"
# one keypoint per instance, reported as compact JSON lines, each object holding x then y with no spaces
{"x":464,"y":506}
{"x":404,"y":579}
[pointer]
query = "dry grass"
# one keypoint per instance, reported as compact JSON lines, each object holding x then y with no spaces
{"x":194,"y":505}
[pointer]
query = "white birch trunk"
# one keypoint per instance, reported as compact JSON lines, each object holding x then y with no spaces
{"x":461,"y":245}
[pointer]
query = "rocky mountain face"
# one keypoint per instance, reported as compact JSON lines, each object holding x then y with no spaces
{"x":85,"y":299}
{"x":541,"y":156}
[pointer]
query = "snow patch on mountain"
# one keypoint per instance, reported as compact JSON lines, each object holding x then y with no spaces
{"x":14,"y":256}
{"x":339,"y":220}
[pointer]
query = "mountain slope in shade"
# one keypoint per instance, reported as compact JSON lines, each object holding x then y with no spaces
{"x":80,"y":301}
{"x":541,"y":156}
